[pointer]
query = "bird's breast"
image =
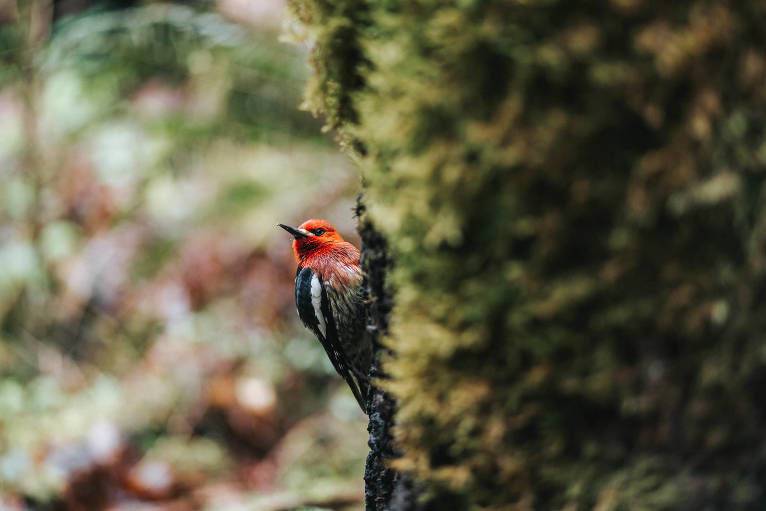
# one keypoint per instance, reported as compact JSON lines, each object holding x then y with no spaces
{"x":337,"y":267}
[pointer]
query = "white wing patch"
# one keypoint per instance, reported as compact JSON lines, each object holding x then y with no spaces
{"x":316,"y":302}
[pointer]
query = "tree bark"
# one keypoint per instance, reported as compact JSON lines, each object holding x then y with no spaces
{"x":380,"y":479}
{"x":386,"y":489}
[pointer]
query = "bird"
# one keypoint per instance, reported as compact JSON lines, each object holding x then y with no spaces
{"x":330,"y":299}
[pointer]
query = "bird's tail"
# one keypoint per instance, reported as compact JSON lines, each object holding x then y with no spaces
{"x":360,"y":387}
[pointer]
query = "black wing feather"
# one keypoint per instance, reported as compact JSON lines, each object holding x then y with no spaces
{"x":346,"y":369}
{"x":331,"y":341}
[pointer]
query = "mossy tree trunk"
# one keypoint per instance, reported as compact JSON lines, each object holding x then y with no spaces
{"x":380,"y":478}
{"x":572,"y":194}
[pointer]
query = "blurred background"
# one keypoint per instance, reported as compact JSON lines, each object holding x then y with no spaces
{"x":150,"y":353}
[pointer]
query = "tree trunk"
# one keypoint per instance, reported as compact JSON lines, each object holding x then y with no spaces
{"x":572,"y":195}
{"x":380,"y":478}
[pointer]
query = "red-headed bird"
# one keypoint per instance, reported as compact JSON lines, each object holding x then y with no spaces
{"x":330,"y":300}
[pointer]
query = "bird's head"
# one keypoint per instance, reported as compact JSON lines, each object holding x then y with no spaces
{"x":313,"y":236}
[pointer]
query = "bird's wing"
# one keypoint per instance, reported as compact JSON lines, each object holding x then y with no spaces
{"x":315,"y":311}
{"x":346,"y":304}
{"x":345,"y":342}
{"x":308,"y":295}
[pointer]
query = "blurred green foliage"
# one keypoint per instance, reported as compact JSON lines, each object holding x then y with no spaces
{"x":573,"y":194}
{"x":149,"y":348}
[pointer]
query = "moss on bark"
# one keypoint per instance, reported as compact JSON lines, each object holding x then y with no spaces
{"x":573,"y":194}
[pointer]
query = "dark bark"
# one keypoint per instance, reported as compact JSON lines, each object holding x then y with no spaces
{"x":382,"y":482}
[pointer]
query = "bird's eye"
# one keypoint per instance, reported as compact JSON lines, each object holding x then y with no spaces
{"x":318,"y":232}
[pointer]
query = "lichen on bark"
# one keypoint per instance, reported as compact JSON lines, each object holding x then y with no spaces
{"x":573,"y":195}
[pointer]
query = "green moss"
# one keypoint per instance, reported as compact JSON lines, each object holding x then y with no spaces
{"x":337,"y":57}
{"x":572,"y":194}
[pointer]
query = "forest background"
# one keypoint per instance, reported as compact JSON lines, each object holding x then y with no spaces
{"x":150,"y":354}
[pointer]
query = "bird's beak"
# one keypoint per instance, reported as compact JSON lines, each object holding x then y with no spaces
{"x":297,"y":233}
